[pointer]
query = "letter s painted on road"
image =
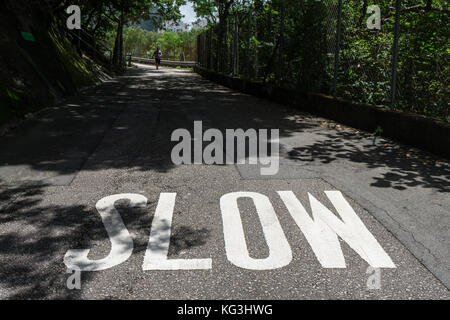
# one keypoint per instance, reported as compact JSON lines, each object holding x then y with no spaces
{"x":121,"y":241}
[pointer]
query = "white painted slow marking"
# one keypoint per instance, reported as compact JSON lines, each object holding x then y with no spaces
{"x":321,"y":232}
{"x":121,"y":241}
{"x":158,"y":244}
{"x":280,"y":253}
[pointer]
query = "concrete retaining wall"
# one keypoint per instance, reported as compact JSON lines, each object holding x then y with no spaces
{"x":415,"y":130}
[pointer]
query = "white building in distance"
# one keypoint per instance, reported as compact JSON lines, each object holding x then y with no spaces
{"x":199,"y":23}
{"x":175,"y":26}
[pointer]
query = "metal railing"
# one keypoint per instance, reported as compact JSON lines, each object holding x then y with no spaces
{"x":82,"y":38}
{"x":96,"y":49}
{"x":169,"y":63}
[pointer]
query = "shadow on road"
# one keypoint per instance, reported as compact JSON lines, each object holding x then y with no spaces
{"x":39,"y":234}
{"x":127,"y":123}
{"x":406,"y":167}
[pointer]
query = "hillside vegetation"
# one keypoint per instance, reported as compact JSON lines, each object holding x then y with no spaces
{"x":39,"y":65}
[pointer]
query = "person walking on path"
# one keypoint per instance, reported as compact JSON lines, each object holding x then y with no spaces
{"x":157,"y":55}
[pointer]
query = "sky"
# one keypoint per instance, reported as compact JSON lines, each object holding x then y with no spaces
{"x":188,"y":12}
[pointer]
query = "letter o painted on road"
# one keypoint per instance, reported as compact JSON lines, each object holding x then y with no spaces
{"x":280,"y":253}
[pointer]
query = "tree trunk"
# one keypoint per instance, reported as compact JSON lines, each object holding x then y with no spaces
{"x":118,"y":45}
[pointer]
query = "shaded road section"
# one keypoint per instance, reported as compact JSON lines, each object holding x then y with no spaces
{"x":116,"y":139}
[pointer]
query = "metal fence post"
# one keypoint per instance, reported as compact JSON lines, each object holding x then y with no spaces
{"x":255,"y":54}
{"x":395,"y":52}
{"x":214,"y":53}
{"x":210,"y":55}
{"x":228,"y":68}
{"x":199,"y":50}
{"x":203,"y":49}
{"x":247,"y":58}
{"x":233,"y":47}
{"x":337,"y":47}
{"x":279,"y":70}
{"x":236,"y":47}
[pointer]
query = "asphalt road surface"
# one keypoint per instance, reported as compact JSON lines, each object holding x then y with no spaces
{"x":116,"y":139}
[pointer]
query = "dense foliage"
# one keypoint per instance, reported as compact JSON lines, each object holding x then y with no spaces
{"x":174,"y":45}
{"x":113,"y":24}
{"x":293,"y":43}
{"x":103,"y":19}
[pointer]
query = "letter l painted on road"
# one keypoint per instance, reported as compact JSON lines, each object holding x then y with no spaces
{"x":158,"y":244}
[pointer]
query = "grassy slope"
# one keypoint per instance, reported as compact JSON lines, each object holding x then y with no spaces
{"x":32,"y":75}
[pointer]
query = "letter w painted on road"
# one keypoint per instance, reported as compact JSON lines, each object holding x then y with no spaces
{"x":322,"y":230}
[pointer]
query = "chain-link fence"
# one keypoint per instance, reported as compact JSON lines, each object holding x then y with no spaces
{"x":335,"y":47}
